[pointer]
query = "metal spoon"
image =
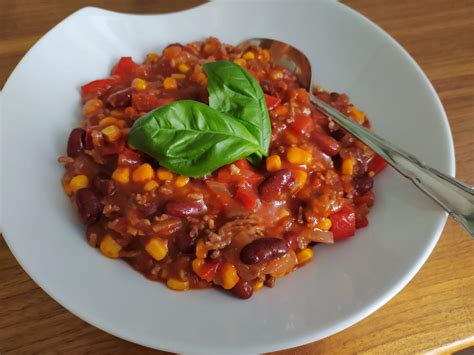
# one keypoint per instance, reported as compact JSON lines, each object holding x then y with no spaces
{"x":451,"y":194}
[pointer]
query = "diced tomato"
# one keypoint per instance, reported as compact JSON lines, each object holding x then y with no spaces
{"x":272,"y":101}
{"x":242,"y":164}
{"x":361,"y":223}
{"x":96,"y":87}
{"x":343,"y":223}
{"x":303,"y":124}
{"x":208,"y":270}
{"x":147,"y":102}
{"x":247,"y":197}
{"x":125,"y":67}
{"x":377,"y":164}
{"x":128,"y":157}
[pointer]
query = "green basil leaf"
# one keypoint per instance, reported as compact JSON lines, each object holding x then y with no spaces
{"x":191,"y":138}
{"x":234,"y":91}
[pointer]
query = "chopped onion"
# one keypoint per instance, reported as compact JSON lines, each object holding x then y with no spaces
{"x":317,"y":236}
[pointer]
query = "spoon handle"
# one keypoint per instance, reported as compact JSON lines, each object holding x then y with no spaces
{"x":453,"y":195}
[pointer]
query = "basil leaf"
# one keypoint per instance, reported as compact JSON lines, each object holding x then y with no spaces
{"x":191,"y":138}
{"x":234,"y":91}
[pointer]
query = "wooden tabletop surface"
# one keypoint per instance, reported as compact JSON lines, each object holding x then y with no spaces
{"x":435,"y":312}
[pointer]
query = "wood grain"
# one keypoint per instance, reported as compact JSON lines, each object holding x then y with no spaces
{"x":434,"y":313}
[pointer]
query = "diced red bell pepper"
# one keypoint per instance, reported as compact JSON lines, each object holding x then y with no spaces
{"x":377,"y":164}
{"x":147,"y":102}
{"x":96,"y":87}
{"x":361,"y":223}
{"x":125,"y":67}
{"x":247,"y":197}
{"x":208,"y":270}
{"x":343,"y":223}
{"x":303,"y":124}
{"x":272,"y":101}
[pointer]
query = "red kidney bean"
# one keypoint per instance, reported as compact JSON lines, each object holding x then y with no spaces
{"x":276,"y":184}
{"x":243,"y":289}
{"x":121,"y":98}
{"x":143,"y":262}
{"x":88,"y":205}
{"x":148,"y":208}
{"x":185,"y":208}
{"x":76,"y":142}
{"x":185,"y":244}
{"x":104,"y":185}
{"x":327,"y":144}
{"x":362,"y":185}
{"x":263,"y":249}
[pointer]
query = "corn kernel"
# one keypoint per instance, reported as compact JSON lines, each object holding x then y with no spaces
{"x":150,"y":185}
{"x":209,"y":48}
{"x":177,"y":285}
{"x":121,"y":123}
{"x":183,"y":68}
{"x":249,"y":55}
{"x":359,"y":116}
{"x":228,"y":275}
{"x":266,"y":55}
{"x":78,"y":182}
{"x":276,"y":74}
{"x":300,"y":177}
{"x":143,"y":173}
{"x":91,"y":106}
{"x":156,"y":248}
{"x":257,"y":286}
{"x":240,"y":61}
{"x":202,"y":79}
{"x":121,"y":175}
{"x":164,"y":174}
{"x":181,"y":181}
{"x":170,"y":83}
{"x":197,"y":265}
{"x":324,"y":223}
{"x":152,"y":57}
{"x":298,"y":156}
{"x":111,"y":133}
{"x":305,"y":255}
{"x":109,"y":247}
{"x":178,"y":76}
{"x":282,"y":213}
{"x":201,"y":250}
{"x":139,"y":84}
{"x":273,"y":163}
{"x":348,"y":166}
{"x":66,"y":188}
{"x":107,"y":121}
{"x":281,"y":110}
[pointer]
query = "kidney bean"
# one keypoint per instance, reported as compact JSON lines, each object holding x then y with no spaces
{"x":76,"y":142}
{"x":88,"y":205}
{"x":243,"y":289}
{"x":121,"y":98}
{"x":327,"y":144}
{"x":185,"y":208}
{"x":362,"y":185}
{"x":185,"y":244}
{"x":148,"y":208}
{"x":105,"y":186}
{"x":276,"y":184}
{"x":263,"y":249}
{"x":143,"y":262}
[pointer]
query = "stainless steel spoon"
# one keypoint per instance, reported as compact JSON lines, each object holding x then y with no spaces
{"x":453,"y":195}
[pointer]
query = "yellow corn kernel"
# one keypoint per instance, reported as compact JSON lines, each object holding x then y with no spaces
{"x":183,"y":68}
{"x":150,"y":185}
{"x":121,"y":174}
{"x":109,"y":247}
{"x":181,"y":181}
{"x":111,"y":133}
{"x":164,"y":174}
{"x":282,"y":213}
{"x":249,"y":55}
{"x":265,"y":55}
{"x":348,"y":166}
{"x":201,"y":250}
{"x":178,"y":76}
{"x":202,"y":79}
{"x":209,"y":48}
{"x":139,"y":84}
{"x":197,"y":265}
{"x":152,"y":57}
{"x":107,"y":121}
{"x":121,"y":123}
{"x":300,"y":177}
{"x":91,"y":106}
{"x":66,"y":188}
{"x":359,"y":116}
{"x":305,"y":255}
{"x":281,"y":110}
{"x":78,"y":182}
{"x":276,"y":74}
{"x":170,"y":83}
{"x":324,"y":223}
{"x":177,"y":285}
{"x":298,"y":156}
{"x":143,"y":173}
{"x":240,"y":61}
{"x":273,"y":163}
{"x":257,"y":285}
{"x":156,"y":248}
{"x":228,"y":276}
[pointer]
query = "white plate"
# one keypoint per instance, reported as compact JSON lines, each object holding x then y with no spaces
{"x":343,"y":284}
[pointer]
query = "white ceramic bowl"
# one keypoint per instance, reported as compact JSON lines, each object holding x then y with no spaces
{"x":343,"y":284}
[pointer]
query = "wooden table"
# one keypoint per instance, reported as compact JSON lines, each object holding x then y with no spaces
{"x":435,"y":312}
